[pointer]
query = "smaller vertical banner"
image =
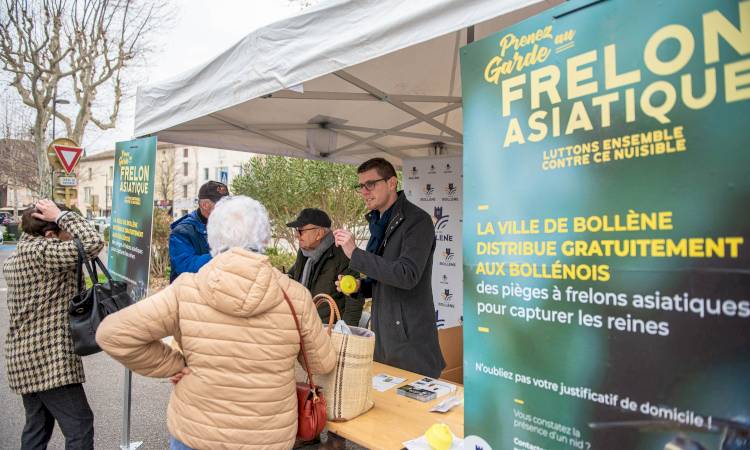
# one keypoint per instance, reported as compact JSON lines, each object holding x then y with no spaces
{"x":435,"y":185}
{"x":132,"y":213}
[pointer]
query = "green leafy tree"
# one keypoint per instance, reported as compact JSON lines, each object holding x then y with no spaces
{"x":160,"y":243}
{"x":285,"y":186}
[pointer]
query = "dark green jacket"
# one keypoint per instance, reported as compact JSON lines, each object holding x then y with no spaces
{"x":323,"y":281}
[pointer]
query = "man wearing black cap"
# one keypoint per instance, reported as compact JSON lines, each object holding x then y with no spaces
{"x":319,"y":263}
{"x":188,"y":245}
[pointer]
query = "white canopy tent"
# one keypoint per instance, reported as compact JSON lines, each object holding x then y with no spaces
{"x":346,"y":81}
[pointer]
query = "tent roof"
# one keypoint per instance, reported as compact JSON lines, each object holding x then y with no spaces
{"x":346,"y":81}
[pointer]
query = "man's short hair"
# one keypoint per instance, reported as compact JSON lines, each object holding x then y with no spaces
{"x":38,"y":227}
{"x":383,"y":167}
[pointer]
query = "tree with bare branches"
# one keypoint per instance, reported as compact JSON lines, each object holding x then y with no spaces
{"x":17,"y":157}
{"x":77,"y":48}
{"x":19,"y":167}
{"x":165,"y":172}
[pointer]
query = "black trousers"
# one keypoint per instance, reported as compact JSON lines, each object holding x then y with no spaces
{"x":68,"y":406}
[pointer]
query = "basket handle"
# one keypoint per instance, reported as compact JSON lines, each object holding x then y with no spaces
{"x":325,"y":298}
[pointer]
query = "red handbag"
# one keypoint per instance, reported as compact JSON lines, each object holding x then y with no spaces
{"x":311,"y":405}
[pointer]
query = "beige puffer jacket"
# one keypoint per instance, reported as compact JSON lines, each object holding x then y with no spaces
{"x":239,"y":340}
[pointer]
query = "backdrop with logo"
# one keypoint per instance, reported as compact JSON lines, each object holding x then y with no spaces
{"x":434,"y":185}
{"x":605,"y":234}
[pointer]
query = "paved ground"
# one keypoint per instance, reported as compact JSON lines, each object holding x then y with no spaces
{"x":104,"y":388}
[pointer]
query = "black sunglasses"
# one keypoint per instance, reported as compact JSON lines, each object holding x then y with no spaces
{"x":302,"y":230}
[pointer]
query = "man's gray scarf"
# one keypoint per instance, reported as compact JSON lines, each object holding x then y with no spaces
{"x":314,"y":255}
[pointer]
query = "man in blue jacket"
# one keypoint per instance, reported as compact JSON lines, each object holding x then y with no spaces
{"x":188,"y":245}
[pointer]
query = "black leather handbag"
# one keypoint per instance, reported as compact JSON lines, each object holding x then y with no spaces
{"x":91,"y":306}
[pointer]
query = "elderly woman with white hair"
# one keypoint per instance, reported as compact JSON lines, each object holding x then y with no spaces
{"x":235,"y":384}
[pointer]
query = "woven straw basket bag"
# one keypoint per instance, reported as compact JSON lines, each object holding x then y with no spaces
{"x":348,"y":388}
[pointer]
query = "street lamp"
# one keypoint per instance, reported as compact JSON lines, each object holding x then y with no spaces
{"x":55,"y":102}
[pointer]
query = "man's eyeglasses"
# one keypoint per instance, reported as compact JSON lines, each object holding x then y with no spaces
{"x":300,"y":231}
{"x":368,"y":185}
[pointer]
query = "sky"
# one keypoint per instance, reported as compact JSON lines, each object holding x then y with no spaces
{"x":199,"y":31}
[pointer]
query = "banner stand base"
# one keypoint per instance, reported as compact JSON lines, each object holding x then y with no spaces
{"x":131,"y":446}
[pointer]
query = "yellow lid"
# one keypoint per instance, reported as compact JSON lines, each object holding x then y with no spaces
{"x":439,"y":436}
{"x":348,"y":284}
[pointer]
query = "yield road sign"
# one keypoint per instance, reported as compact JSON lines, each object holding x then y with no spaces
{"x":68,"y":156}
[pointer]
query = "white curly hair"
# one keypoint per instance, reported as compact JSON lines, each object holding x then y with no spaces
{"x":238,"y":221}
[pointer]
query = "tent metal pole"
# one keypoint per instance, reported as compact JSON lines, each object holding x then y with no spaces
{"x":430,"y":145}
{"x":454,"y":70}
{"x":427,"y":98}
{"x":125,"y":443}
{"x":359,"y":151}
{"x":380,"y":147}
{"x":404,"y":125}
{"x":382,"y":132}
{"x":265,"y":134}
{"x":360,"y":96}
{"x":255,"y":126}
{"x":346,"y":76}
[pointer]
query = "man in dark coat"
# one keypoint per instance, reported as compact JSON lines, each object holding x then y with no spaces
{"x":188,"y":245}
{"x":319,"y":263}
{"x":398,"y":266}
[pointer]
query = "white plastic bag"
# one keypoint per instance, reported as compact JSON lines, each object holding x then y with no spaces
{"x":342,"y":327}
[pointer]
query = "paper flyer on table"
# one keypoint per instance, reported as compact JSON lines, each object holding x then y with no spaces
{"x":382,"y":382}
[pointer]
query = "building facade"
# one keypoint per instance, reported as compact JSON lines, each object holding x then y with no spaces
{"x":180,"y":171}
{"x":16,"y":198}
{"x":18,"y":180}
{"x":95,"y":175}
{"x":196,"y":165}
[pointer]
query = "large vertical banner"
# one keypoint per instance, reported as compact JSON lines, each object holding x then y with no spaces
{"x":606,"y":220}
{"x":435,"y":184}
{"x":132,"y":212}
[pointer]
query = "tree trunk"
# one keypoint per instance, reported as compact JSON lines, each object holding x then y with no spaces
{"x":43,"y":166}
{"x":83,"y":46}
